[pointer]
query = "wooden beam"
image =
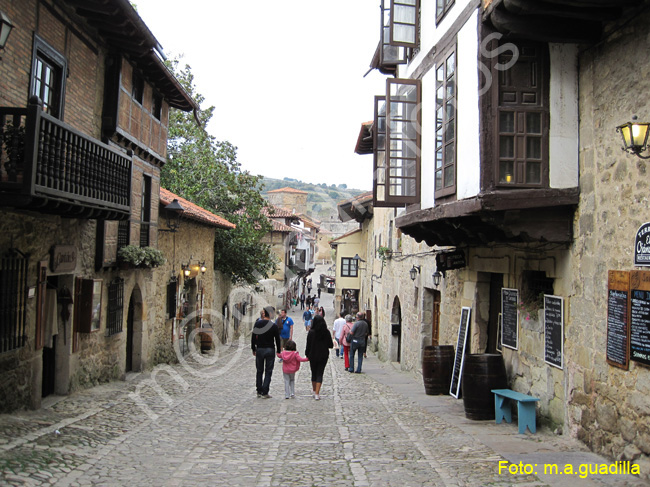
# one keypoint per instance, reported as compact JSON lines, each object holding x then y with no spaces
{"x":529,"y":7}
{"x":545,"y":28}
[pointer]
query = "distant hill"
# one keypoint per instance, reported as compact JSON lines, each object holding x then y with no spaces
{"x":321,"y":199}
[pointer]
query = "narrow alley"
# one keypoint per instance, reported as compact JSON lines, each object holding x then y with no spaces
{"x":199,"y":424}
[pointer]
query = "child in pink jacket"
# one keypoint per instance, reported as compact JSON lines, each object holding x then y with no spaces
{"x":290,"y":365}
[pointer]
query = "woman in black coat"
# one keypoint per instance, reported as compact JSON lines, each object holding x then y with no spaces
{"x":319,"y":341}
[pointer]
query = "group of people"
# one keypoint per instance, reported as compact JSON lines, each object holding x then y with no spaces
{"x":274,"y":338}
{"x":352,"y":337}
{"x":310,"y":300}
{"x":309,"y":313}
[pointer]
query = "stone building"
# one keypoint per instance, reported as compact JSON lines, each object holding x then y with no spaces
{"x":291,"y":199}
{"x":498,"y":181}
{"x":195,"y":295}
{"x":84,"y":104}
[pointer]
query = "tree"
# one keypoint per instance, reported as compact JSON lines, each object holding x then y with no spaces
{"x":205,"y":171}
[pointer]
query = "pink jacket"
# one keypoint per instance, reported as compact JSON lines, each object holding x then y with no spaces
{"x":291,"y":361}
{"x":344,"y":333}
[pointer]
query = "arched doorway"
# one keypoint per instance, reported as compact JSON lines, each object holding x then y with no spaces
{"x":134,"y":332}
{"x":396,"y":331}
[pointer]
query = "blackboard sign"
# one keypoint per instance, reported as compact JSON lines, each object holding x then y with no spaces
{"x":618,"y":330}
{"x":642,"y":245}
{"x":510,"y":318}
{"x":553,"y":330}
{"x":459,"y":360}
{"x":640,"y":316}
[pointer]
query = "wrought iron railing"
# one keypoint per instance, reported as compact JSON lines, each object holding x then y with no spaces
{"x":44,"y":157}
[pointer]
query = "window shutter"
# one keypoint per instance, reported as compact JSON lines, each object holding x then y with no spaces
{"x":389,"y":54}
{"x":397,"y":163}
{"x":404,"y":22}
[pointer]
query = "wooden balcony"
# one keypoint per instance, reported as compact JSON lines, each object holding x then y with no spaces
{"x":49,"y":167}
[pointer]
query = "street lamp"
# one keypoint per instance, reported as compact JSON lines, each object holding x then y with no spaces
{"x":635,"y":137}
{"x":5,"y":29}
{"x":436,"y":278}
{"x":415,"y":270}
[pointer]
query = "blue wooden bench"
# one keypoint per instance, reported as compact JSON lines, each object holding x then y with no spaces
{"x":525,"y":408}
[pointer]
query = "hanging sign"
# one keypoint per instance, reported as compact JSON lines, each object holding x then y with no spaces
{"x":459,"y":360}
{"x":642,"y":245}
{"x":448,"y":261}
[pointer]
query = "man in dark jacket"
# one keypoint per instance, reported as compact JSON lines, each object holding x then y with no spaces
{"x":265,"y":332}
{"x":359,"y":334}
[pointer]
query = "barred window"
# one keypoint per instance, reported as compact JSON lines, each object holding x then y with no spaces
{"x":145,"y":211}
{"x":115,"y":307}
{"x":13,"y":300}
{"x":123,"y":228}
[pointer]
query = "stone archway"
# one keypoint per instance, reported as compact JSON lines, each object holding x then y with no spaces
{"x":396,"y":331}
{"x":134,"y":333}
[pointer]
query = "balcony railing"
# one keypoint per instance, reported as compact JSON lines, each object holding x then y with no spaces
{"x":46,"y":164}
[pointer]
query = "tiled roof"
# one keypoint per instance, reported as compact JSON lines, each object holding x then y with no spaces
{"x":278,"y":212}
{"x":345,"y":235}
{"x":195,"y":212}
{"x":360,"y":198}
{"x":287,"y":189}
{"x":280,"y":227}
{"x":308,"y":221}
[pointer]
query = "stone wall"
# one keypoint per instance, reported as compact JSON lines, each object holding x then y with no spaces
{"x":289,"y":200}
{"x":608,"y":408}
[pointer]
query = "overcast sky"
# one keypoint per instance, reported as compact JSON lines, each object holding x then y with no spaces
{"x":286,"y":79}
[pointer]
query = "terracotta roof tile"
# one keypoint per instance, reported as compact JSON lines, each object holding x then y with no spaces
{"x":346,"y":235}
{"x":287,"y":189}
{"x":280,"y":227}
{"x":278,"y":212}
{"x":195,"y":212}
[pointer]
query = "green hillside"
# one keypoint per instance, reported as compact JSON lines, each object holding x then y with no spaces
{"x":321,"y":200}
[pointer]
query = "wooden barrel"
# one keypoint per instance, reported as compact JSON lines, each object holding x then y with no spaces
{"x":437,"y":364}
{"x":481,"y":373}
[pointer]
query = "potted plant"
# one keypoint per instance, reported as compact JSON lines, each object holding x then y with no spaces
{"x":152,"y":257}
{"x":130,"y":255}
{"x":384,"y":253}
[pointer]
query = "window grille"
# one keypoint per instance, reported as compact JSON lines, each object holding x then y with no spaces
{"x":115,"y":307}
{"x":13,"y":300}
{"x":145,"y":211}
{"x":123,"y":228}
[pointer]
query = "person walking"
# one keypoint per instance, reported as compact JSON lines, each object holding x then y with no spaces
{"x":285,"y":325}
{"x":264,"y":334}
{"x":347,"y":328}
{"x":359,"y":334}
{"x":337,"y":327}
{"x":316,"y":302}
{"x":302,"y":300}
{"x":319,"y":291}
{"x":319,"y":341}
{"x":307,"y":316}
{"x":290,"y":365}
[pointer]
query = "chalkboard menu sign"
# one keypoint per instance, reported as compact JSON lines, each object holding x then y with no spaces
{"x":459,"y":359}
{"x":553,"y":330}
{"x":618,"y":331}
{"x":510,"y":318}
{"x":640,"y":316}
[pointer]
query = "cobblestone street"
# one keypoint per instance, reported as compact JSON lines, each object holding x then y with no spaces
{"x":201,"y":424}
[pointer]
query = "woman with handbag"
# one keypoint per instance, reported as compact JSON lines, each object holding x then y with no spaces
{"x":347,"y":328}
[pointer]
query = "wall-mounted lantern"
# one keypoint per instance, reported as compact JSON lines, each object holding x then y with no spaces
{"x":436,"y":278}
{"x":635,"y":137}
{"x":174,"y":214}
{"x":5,"y":29}
{"x":415,"y":270}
